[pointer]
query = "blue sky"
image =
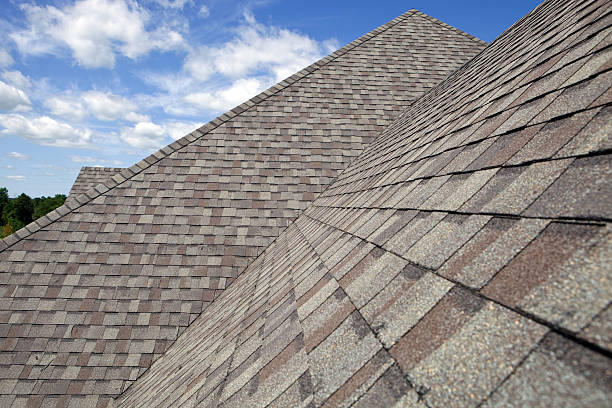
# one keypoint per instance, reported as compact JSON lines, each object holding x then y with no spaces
{"x":107,"y":82}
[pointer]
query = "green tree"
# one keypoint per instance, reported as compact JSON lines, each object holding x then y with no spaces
{"x":20,"y":211}
{"x":4,"y":199}
{"x":16,"y":213}
{"x":44,"y":205}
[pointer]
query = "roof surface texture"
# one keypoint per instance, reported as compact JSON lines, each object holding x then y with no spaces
{"x":95,"y":291}
{"x":463,"y":259}
{"x":89,"y":177}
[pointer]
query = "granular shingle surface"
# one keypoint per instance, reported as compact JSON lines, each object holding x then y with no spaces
{"x":97,"y":290}
{"x":454,"y":251}
{"x":462,"y":259}
{"x":89,"y":177}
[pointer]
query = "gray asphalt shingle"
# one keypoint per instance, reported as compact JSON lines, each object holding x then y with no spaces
{"x":462,"y":257}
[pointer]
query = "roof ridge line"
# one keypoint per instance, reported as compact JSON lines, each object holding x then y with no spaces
{"x":101,"y":168}
{"x":129,"y":172}
{"x":449,"y":27}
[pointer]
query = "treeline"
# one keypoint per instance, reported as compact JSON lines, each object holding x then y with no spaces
{"x":16,"y":213}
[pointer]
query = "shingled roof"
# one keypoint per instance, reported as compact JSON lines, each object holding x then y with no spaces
{"x":95,"y":291}
{"x":90,"y":177}
{"x":463,"y":259}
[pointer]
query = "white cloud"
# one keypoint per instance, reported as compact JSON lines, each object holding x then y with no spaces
{"x":204,"y":12}
{"x":16,"y":79}
{"x":44,"y":130}
{"x":176,"y":130}
{"x":89,"y":159}
{"x":18,"y":178}
{"x":224,"y":99}
{"x":5,"y":59}
{"x":148,"y":135}
{"x":136,"y":117}
{"x":175,"y":4}
{"x":217,"y":78}
{"x":18,"y":156}
{"x":83,"y":159}
{"x":12,"y":98}
{"x":95,"y":31}
{"x":66,"y":107}
{"x":144,"y":135}
{"x":257,"y":49}
{"x":107,"y":106}
{"x":104,"y":106}
{"x":174,"y":83}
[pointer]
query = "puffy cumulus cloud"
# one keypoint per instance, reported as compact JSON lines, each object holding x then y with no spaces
{"x":144,"y":135}
{"x":66,"y":107}
{"x":227,"y":98}
{"x":148,"y":135}
{"x":12,"y":98}
{"x":231,"y":72}
{"x":107,"y":106}
{"x":16,"y":79}
{"x":44,"y":130}
{"x":94,"y":30}
{"x":5,"y":59}
{"x":178,"y":98}
{"x":104,"y":106}
{"x":18,"y":156}
{"x":257,"y":49}
{"x":176,"y":130}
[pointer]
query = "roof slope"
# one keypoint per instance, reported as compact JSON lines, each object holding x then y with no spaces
{"x":462,"y":260}
{"x":89,"y":177}
{"x":96,"y":290}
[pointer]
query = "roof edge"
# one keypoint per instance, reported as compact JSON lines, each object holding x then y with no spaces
{"x":129,"y":172}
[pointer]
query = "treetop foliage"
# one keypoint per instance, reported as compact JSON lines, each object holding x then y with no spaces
{"x":16,"y":213}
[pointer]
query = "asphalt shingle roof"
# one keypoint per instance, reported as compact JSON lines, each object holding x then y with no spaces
{"x":89,"y":177}
{"x":463,"y":259}
{"x":97,"y":290}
